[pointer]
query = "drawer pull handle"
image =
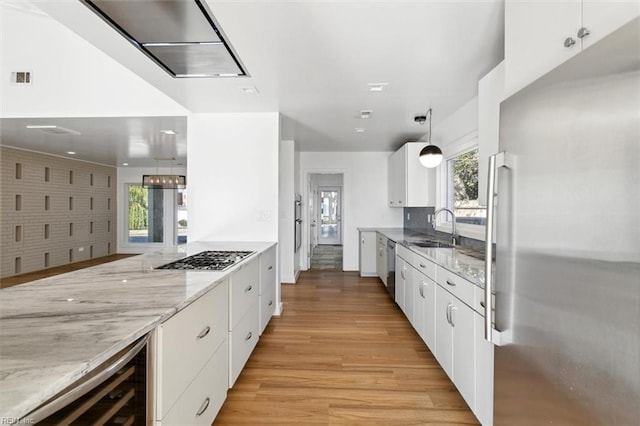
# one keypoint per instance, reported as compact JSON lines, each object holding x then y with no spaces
{"x":249,"y":336}
{"x":270,"y":267}
{"x":203,"y":407}
{"x":270,"y":302}
{"x":482,"y":304}
{"x":203,"y":333}
{"x":452,"y":284}
{"x":421,"y":289}
{"x":248,"y":289}
{"x":422,"y":265}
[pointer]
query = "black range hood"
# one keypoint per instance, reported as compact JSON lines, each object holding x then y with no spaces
{"x":179,"y":35}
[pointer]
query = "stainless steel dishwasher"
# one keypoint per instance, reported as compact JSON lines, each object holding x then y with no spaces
{"x":391,"y":269}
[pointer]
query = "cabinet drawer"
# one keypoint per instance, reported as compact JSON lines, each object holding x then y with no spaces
{"x":425,"y":266}
{"x":188,"y":339}
{"x":267,"y":307}
{"x":405,"y":253}
{"x":268,"y":269}
{"x":242,"y":339}
{"x":205,"y":395}
{"x":456,"y":285}
{"x":244,"y":286}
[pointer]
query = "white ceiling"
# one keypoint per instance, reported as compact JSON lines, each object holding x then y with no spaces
{"x":312,"y":60}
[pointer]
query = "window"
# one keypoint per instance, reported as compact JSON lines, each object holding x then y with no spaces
{"x":462,"y":189}
{"x":146,"y":215}
{"x":182,"y":216}
{"x":155,"y":216}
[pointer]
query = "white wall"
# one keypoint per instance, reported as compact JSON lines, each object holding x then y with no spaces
{"x":458,"y":125}
{"x":287,"y":200}
{"x":232,"y":162}
{"x":129,"y":175}
{"x":70,"y":76}
{"x":364,"y":195}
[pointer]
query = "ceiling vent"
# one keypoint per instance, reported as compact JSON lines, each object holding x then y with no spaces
{"x":181,"y":36}
{"x":21,"y":77}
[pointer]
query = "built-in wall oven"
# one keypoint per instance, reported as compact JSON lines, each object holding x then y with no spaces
{"x":298,"y":223}
{"x":115,"y":393}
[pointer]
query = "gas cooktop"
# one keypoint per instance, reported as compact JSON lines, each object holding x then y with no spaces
{"x":213,"y":260}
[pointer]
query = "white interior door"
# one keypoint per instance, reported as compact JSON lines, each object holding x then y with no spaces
{"x":329,"y":213}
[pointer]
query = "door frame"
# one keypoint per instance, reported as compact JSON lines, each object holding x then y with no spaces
{"x":305,"y":255}
{"x":333,"y":188}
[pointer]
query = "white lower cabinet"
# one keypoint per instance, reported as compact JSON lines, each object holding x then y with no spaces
{"x":243,"y":338}
{"x":186,"y":342}
{"x":445,"y":309}
{"x":367,"y":260}
{"x":204,"y":397}
{"x":425,"y":309}
{"x":244,"y":316}
{"x":267,"y":286}
{"x":455,"y":341}
{"x":401,"y":282}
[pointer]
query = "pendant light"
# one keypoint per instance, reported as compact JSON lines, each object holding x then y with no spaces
{"x":430,"y":155}
{"x":164,"y":181}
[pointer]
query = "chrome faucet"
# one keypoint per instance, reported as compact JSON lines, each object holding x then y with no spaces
{"x":454,"y":236}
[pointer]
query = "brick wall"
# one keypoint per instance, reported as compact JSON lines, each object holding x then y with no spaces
{"x":54,"y":211}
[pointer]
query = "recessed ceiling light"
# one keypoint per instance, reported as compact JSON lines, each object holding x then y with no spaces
{"x":168,"y":132}
{"x":125,"y":164}
{"x":71,"y":152}
{"x":51,"y":129}
{"x":377,"y":87}
{"x":366,"y":113}
{"x":359,"y":130}
{"x":224,"y":74}
{"x":249,"y":89}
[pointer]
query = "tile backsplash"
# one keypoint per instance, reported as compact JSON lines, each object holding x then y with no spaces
{"x":416,"y":219}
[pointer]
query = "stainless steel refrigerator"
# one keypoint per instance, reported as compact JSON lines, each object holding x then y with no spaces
{"x":567,"y":265}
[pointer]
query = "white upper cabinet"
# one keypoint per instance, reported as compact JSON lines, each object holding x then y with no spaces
{"x":542,"y":34}
{"x":410,"y":183}
{"x":490,"y":94}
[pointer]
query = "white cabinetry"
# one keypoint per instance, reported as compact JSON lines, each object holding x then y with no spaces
{"x":191,"y":357}
{"x":368,"y":255}
{"x":490,"y":94}
{"x":446,"y":311}
{"x":410,"y":183}
{"x":540,"y":35}
{"x":425,"y":309}
{"x":403,"y":272}
{"x":243,"y":316}
{"x":455,"y":341}
{"x":267,"y":287}
{"x":381,"y":258}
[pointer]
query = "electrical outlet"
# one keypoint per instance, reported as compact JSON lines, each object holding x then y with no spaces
{"x":429,"y":218}
{"x":408,"y":216}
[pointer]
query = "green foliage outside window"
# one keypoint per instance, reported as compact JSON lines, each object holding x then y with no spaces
{"x":138,"y":207}
{"x":465,"y":179}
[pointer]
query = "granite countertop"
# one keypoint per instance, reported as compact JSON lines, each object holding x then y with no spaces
{"x":55,"y":330}
{"x":459,"y":260}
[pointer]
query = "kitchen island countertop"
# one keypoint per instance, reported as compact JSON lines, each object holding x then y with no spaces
{"x":456,"y":260}
{"x":55,"y":330}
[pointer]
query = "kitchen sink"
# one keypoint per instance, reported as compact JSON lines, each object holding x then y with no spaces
{"x":431,"y":243}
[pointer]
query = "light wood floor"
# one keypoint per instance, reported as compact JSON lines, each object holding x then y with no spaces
{"x":31,"y":276}
{"x":342,"y":353}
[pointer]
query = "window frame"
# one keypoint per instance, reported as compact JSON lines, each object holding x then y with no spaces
{"x":170,"y":234}
{"x":464,"y":144}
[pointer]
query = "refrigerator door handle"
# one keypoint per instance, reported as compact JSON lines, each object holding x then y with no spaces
{"x":501,"y":159}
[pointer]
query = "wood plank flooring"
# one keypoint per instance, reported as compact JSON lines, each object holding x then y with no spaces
{"x":342,"y":354}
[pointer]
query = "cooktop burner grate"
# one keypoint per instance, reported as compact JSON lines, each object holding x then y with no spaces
{"x":212,"y":260}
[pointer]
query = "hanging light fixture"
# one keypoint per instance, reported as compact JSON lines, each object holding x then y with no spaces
{"x":164,"y":181}
{"x":430,"y":155}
